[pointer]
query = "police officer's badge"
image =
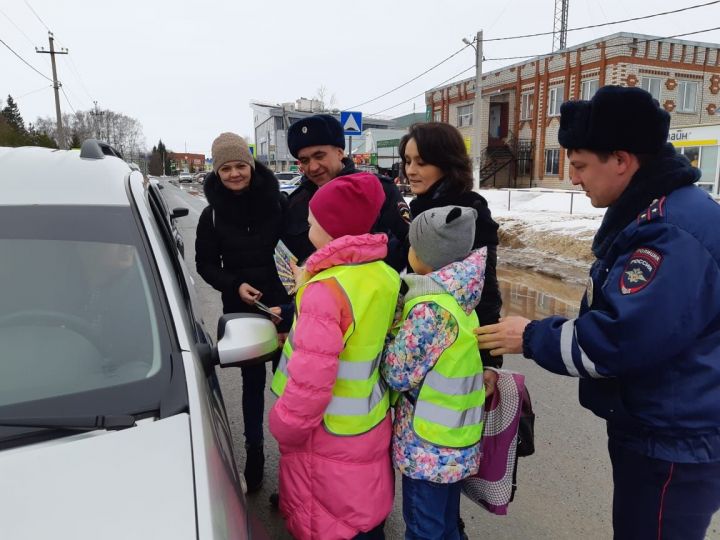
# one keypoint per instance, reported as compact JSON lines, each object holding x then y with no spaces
{"x":640,"y":270}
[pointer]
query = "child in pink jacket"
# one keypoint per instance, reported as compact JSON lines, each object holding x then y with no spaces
{"x":332,"y":418}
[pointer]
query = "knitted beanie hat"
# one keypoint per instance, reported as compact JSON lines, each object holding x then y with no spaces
{"x":348,"y":205}
{"x":230,"y":147}
{"x":441,"y":236}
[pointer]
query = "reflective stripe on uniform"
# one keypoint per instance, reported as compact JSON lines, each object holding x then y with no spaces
{"x":587,"y":363}
{"x":567,"y":334}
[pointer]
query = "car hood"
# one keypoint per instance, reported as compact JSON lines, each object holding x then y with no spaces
{"x":135,"y":483}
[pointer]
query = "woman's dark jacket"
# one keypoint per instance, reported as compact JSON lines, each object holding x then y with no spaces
{"x":236,"y":238}
{"x":441,"y":194}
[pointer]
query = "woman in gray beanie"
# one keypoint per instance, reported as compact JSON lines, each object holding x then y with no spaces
{"x":236,"y":237}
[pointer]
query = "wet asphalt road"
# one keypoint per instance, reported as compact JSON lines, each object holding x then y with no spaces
{"x":564,"y":489}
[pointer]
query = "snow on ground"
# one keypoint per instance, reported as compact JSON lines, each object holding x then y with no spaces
{"x":539,"y":232}
{"x":545,"y":230}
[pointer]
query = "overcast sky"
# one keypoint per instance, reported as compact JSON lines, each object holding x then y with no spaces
{"x":187,"y":70}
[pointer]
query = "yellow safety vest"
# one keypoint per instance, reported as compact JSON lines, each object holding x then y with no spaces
{"x":359,"y":395}
{"x":449,"y":407}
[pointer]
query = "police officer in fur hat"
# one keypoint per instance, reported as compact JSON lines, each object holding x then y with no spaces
{"x":646,"y":344}
{"x":318,"y":143}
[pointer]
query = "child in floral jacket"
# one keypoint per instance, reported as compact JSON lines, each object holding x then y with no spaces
{"x":433,"y":361}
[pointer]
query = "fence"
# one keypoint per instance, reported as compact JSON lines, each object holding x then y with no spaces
{"x":543,"y":200}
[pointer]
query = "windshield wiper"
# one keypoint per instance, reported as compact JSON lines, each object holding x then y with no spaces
{"x":80,"y":423}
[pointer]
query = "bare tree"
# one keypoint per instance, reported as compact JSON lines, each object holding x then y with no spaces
{"x":120,"y":131}
{"x":321,"y":95}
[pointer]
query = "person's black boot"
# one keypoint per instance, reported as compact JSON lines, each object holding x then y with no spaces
{"x":254,"y":466}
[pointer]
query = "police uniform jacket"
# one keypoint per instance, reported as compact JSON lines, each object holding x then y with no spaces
{"x":646,"y":344}
{"x":394,"y":219}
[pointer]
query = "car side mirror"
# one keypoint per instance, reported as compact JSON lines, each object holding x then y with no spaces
{"x":179,"y":212}
{"x":245,"y":339}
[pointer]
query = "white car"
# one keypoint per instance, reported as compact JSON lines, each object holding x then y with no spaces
{"x":112,"y":424}
{"x":288,"y":186}
{"x":286,"y":176}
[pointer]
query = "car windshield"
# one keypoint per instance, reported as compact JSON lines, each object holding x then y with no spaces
{"x":79,"y":312}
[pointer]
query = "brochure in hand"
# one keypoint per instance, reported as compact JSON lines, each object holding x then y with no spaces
{"x":283,"y":259}
{"x":263,"y":307}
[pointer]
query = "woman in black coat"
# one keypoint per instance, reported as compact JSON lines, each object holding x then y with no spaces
{"x":234,"y":246}
{"x":436,"y":163}
{"x":437,"y":166}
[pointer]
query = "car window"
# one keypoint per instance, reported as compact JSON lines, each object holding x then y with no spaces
{"x":79,"y":310}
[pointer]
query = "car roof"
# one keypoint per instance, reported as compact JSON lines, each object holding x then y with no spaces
{"x":45,"y":176}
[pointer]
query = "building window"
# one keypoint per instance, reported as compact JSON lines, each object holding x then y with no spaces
{"x":552,"y":161}
{"x":464,"y":115}
{"x":588,"y":89}
{"x":687,"y":96}
{"x":555,"y":97}
{"x":526,"y":106}
{"x":704,"y":158}
{"x":652,"y":85}
{"x":437,"y":116}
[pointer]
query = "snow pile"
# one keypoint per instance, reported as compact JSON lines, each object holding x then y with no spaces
{"x":539,"y":233}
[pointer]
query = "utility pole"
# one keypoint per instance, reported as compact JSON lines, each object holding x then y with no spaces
{"x":477,"y":43}
{"x":95,"y":114}
{"x":56,"y":85}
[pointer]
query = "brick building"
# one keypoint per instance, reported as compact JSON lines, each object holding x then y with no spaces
{"x":520,"y":109}
{"x":186,"y":162}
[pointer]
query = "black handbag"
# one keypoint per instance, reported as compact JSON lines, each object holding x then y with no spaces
{"x":526,"y":427}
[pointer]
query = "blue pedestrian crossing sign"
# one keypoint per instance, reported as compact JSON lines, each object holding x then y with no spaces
{"x":351,"y":122}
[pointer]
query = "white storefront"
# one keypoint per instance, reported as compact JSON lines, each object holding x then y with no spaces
{"x":701,"y":145}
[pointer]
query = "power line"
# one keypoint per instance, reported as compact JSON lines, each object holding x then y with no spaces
{"x":76,"y":74}
{"x":423,"y":93}
{"x":28,"y":64}
{"x":68,"y":100}
{"x":36,"y":15}
{"x":413,"y":79}
{"x":607,"y":23}
{"x":550,"y":54}
{"x":17,"y":27}
{"x":32,"y":92}
{"x":608,"y":46}
{"x":536,"y":35}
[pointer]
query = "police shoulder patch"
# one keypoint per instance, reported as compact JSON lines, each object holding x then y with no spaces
{"x":404,"y":211}
{"x":640,"y":270}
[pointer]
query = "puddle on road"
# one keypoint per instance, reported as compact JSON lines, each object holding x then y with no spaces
{"x":534,"y":295}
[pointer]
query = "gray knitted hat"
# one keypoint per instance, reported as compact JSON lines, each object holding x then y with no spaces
{"x":443,"y":235}
{"x":230,"y":147}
